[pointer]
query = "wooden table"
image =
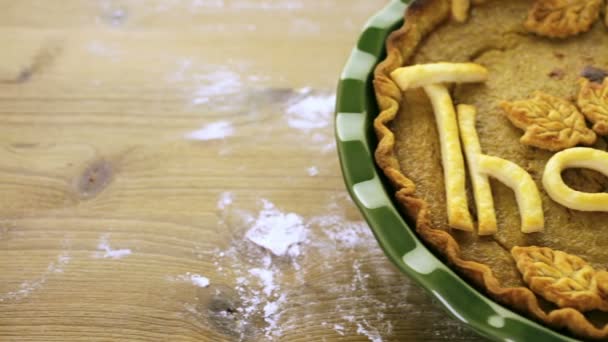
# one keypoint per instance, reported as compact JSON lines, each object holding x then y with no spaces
{"x":168,"y":172}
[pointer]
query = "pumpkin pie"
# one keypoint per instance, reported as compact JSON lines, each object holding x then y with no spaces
{"x":492,"y":130}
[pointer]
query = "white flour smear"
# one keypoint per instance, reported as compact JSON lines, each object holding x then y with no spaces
{"x":192,"y":278}
{"x":212,"y":131}
{"x":206,"y":84}
{"x":225,"y":200}
{"x":311,"y":114}
{"x":373,"y":335}
{"x":106,"y":251}
{"x":183,"y":71}
{"x":259,"y":292}
{"x":206,"y":4}
{"x":289,"y":5}
{"x":266,"y":278}
{"x":102,"y":49}
{"x":277,"y":231}
{"x":29,"y":286}
{"x":216,"y":84}
{"x":310,"y":111}
{"x":344,"y":233}
{"x":269,"y":257}
{"x":312,"y":171}
{"x":267,"y":237}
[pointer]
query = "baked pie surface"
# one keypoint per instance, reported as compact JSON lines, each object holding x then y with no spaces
{"x":520,"y":63}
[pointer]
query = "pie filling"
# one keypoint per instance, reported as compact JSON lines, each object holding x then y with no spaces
{"x":544,"y":93}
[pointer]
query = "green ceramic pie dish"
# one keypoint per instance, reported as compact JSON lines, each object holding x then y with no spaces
{"x":355,"y":110}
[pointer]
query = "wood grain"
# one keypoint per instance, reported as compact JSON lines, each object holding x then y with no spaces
{"x":108,"y":206}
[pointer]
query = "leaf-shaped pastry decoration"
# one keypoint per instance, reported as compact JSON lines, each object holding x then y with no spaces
{"x":593,"y":101}
{"x":562,"y":278}
{"x":562,"y":18}
{"x":550,"y":122}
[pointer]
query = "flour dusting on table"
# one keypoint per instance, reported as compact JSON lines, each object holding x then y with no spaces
{"x":192,"y":278}
{"x":216,"y":84}
{"x":207,"y":3}
{"x":373,"y":335}
{"x":310,"y":114}
{"x":276,"y":249}
{"x":266,"y":277}
{"x":225,"y":200}
{"x":313,"y":171}
{"x":29,"y":286}
{"x":268,"y":5}
{"x":106,"y":251}
{"x":309,"y":110}
{"x":212,"y":131}
{"x":277,"y":231}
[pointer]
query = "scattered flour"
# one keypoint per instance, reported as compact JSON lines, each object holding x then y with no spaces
{"x":339,"y":328}
{"x":266,"y":277}
{"x":212,"y":131}
{"x":102,"y":49}
{"x":329,"y":147}
{"x":29,"y":286}
{"x":194,"y":279}
{"x":216,"y":84}
{"x":373,"y":335}
{"x":107,"y":252}
{"x":345,"y":234}
{"x":268,"y":5}
{"x":269,"y":280}
{"x":261,"y":295}
{"x":235,"y":4}
{"x":277,"y":231}
{"x":207,"y":4}
{"x":225,"y":200}
{"x":310,"y":111}
{"x":259,"y":275}
{"x":183,"y":70}
{"x":272,"y":316}
{"x":209,"y":84}
{"x":313,"y":171}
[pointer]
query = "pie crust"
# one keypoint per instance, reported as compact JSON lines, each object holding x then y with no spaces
{"x":421,"y":18}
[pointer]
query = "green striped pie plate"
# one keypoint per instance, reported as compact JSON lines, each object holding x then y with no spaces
{"x":355,"y":109}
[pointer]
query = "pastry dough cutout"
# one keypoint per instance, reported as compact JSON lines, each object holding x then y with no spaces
{"x":486,"y":215}
{"x":562,"y":278}
{"x":421,"y":75}
{"x":562,"y":18}
{"x":451,"y":157}
{"x":578,"y":157}
{"x":593,"y":102}
{"x":551,"y":123}
{"x":526,"y":193}
{"x":460,"y":10}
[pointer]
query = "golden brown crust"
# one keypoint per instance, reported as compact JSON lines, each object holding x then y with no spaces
{"x":421,"y":18}
{"x":562,"y":18}
{"x":460,"y":10}
{"x":401,"y":45}
{"x":593,"y":102}
{"x":562,"y":278}
{"x":550,"y":122}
